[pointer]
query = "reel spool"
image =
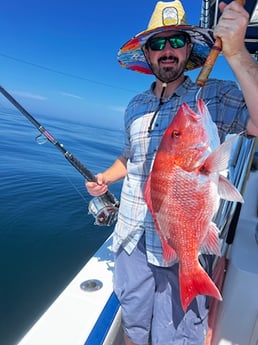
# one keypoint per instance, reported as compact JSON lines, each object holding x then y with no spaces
{"x":104,"y":212}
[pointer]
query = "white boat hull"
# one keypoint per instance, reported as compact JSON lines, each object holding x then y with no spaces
{"x":238,"y":314}
{"x":79,"y":317}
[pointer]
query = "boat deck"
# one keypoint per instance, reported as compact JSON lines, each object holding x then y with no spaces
{"x":87,"y":311}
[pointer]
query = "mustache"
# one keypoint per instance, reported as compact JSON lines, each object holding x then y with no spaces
{"x":170,"y":57}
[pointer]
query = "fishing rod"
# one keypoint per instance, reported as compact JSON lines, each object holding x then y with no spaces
{"x":104,"y":208}
{"x":212,"y":57}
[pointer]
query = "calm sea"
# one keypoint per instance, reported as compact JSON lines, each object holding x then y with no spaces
{"x":46,"y":233}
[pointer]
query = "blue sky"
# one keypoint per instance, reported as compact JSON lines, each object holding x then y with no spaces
{"x":60,"y":57}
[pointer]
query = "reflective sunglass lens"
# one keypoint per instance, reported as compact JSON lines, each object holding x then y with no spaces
{"x":177,"y":42}
{"x":158,"y":43}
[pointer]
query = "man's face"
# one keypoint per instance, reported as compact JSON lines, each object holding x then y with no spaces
{"x":168,"y":59}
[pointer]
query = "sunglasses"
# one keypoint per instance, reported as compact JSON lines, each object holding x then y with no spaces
{"x":159,"y":43}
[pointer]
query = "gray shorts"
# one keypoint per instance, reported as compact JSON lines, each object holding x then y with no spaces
{"x":150,"y":302}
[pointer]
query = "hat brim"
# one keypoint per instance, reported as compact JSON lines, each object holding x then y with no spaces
{"x":131,"y":55}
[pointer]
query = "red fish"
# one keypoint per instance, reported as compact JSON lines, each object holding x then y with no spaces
{"x":183,"y":191}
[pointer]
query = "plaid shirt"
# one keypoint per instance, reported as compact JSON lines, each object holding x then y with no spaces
{"x":229,"y":112}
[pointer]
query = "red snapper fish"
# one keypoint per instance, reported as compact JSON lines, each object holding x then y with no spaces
{"x":183,"y":191}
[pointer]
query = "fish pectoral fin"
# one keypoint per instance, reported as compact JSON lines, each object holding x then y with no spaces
{"x":211,"y":243}
{"x":228,"y":191}
{"x":196,"y":283}
{"x":147,"y":194}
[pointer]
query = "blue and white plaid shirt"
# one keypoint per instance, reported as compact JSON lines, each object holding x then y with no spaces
{"x":228,"y":110}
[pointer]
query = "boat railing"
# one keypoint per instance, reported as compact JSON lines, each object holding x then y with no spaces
{"x":210,"y":14}
{"x":241,"y":160}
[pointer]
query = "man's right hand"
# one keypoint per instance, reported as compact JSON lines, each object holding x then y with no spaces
{"x":97,"y":188}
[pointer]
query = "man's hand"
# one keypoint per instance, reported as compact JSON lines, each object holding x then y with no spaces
{"x":231,"y":28}
{"x":97,"y":188}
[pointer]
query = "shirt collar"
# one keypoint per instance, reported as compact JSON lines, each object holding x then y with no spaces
{"x":180,"y":91}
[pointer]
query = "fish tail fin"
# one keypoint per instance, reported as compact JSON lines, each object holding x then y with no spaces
{"x":196,"y":283}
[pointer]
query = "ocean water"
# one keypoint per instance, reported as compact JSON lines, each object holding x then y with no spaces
{"x":46,"y":233}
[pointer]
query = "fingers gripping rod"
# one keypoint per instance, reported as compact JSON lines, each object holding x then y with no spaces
{"x":105,"y":207}
{"x":211,"y":59}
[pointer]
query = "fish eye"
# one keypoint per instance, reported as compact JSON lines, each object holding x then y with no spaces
{"x":175,"y":134}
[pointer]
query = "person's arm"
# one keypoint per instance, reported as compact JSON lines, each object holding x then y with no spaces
{"x":231,"y":29}
{"x":116,"y":172}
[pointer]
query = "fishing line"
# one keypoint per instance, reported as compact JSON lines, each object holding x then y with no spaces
{"x":41,"y":140}
{"x":66,"y":74}
{"x":198,"y":94}
{"x":105,"y":207}
{"x":75,"y":187}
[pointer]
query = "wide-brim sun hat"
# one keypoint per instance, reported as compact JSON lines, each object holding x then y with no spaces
{"x":167,"y":16}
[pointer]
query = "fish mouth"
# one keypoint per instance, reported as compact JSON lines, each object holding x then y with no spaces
{"x":195,"y":116}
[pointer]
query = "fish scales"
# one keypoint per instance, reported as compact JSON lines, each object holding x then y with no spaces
{"x":182,"y":193}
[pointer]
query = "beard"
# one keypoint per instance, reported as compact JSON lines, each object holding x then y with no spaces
{"x":168,"y":74}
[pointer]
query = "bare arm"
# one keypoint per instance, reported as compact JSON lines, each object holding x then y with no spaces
{"x":231,"y":29}
{"x":116,"y":172}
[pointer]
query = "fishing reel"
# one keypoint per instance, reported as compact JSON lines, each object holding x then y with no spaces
{"x":103,"y":210}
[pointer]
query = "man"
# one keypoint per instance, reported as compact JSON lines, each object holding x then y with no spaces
{"x":146,"y":286}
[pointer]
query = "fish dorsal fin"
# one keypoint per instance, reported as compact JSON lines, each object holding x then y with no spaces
{"x":218,"y":160}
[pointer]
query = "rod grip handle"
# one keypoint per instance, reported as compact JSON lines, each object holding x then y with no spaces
{"x":89,"y":176}
{"x":211,"y":59}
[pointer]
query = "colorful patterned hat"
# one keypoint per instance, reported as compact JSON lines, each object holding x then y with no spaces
{"x":166,"y":16}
